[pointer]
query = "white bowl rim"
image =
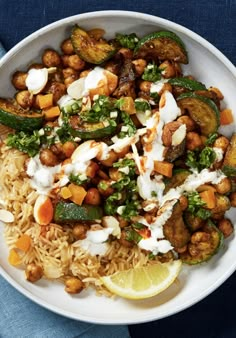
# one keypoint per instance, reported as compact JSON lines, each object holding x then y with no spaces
{"x":178,"y":28}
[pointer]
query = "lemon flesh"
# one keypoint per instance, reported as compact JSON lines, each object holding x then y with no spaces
{"x":143,"y":282}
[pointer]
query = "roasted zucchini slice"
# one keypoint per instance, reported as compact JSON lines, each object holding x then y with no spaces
{"x":229,"y":164}
{"x":70,"y":212}
{"x":178,"y":178}
{"x":13,"y":116}
{"x":203,"y":251}
{"x":89,"y":49}
{"x":89,"y":131}
{"x":187,"y":83}
{"x":162,"y":45}
{"x":175,"y":229}
{"x":202,"y":110}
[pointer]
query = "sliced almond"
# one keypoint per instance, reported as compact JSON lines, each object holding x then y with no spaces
{"x":6,"y":216}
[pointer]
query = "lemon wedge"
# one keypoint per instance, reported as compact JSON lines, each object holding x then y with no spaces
{"x":143,"y":282}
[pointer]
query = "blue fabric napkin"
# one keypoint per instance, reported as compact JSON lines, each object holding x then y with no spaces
{"x":21,"y":318}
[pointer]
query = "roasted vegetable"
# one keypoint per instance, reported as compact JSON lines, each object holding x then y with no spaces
{"x":202,"y":251}
{"x":229,"y":164}
{"x":89,"y":49}
{"x":178,"y":178}
{"x":175,"y":229}
{"x":89,"y":131}
{"x":162,"y":45}
{"x":202,"y":110}
{"x":173,"y":152}
{"x":71,"y":213}
{"x":17,"y":118}
{"x":187,"y":83}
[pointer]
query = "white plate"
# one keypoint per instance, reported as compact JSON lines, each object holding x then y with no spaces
{"x":194,"y":283}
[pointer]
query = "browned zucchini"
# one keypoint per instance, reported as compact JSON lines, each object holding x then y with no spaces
{"x":178,"y":178}
{"x":89,"y":49}
{"x":15,"y":117}
{"x":203,"y":251}
{"x":193,"y":222}
{"x":202,"y":110}
{"x":229,"y":164}
{"x":175,"y":229}
{"x":162,"y":45}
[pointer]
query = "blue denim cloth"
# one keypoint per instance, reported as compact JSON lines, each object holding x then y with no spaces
{"x":21,"y":318}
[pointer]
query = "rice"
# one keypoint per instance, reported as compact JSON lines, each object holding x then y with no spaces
{"x":51,"y":246}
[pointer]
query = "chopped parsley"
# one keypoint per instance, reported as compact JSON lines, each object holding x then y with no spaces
{"x":78,"y":179}
{"x":127,"y":40}
{"x":129,"y":126}
{"x":25,"y":142}
{"x":196,"y":206}
{"x":133,"y":236}
{"x":201,"y":160}
{"x":142,"y":105}
{"x":100,"y":110}
{"x":152,"y":73}
{"x":211,"y":139}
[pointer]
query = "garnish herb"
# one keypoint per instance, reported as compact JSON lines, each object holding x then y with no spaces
{"x":25,"y":142}
{"x":211,"y":139}
{"x":200,"y":160}
{"x":152,"y":73}
{"x":142,"y":105}
{"x":133,"y":236}
{"x":127,"y":40}
{"x":196,"y":206}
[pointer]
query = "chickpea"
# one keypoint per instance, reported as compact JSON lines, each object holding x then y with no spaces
{"x":226,"y":227}
{"x":48,"y":158}
{"x":96,"y":33}
{"x":33,"y":272}
{"x":105,"y":188}
{"x":217,"y":215}
{"x":222,"y":204}
{"x":115,"y":174}
{"x":68,"y":72}
{"x":190,"y":124}
{"x":145,"y":86}
{"x":217,"y":92}
{"x":65,"y":60}
{"x":67,"y":47}
{"x":232,"y":198}
{"x":18,"y":80}
{"x":123,"y":241}
{"x":74,"y":285}
{"x":112,"y":157}
{"x":51,"y":58}
{"x":58,"y":89}
{"x":69,"y":80}
{"x":79,"y":231}
{"x":193,"y":140}
{"x":168,"y":69}
{"x":68,"y":148}
{"x":93,"y":197}
{"x":139,"y":66}
{"x":200,"y":236}
{"x":75,"y":62}
{"x":224,"y":186}
{"x":25,"y":99}
{"x":85,"y":73}
{"x":221,"y":142}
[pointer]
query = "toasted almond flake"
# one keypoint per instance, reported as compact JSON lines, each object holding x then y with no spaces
{"x":6,"y":216}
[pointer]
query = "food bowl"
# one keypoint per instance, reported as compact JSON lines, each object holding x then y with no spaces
{"x":194,"y":283}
